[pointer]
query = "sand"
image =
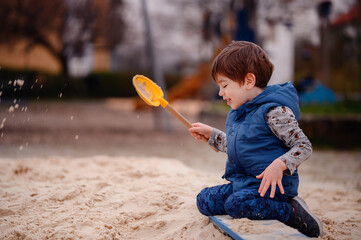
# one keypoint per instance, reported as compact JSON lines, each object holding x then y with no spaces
{"x":104,"y":197}
{"x":99,"y":170}
{"x":101,"y":198}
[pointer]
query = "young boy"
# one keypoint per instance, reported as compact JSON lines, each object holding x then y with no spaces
{"x":263,"y":141}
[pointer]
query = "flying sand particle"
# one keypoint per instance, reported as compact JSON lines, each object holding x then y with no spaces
{"x":19,"y":82}
{"x":2,"y":123}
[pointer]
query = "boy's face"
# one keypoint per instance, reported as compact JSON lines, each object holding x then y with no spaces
{"x":236,"y":94}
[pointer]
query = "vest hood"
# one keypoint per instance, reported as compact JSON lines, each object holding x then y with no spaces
{"x":279,"y":95}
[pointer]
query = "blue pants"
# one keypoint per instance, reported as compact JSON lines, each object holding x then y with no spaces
{"x":245,"y":203}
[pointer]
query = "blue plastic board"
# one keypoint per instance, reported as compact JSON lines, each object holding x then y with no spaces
{"x":266,"y":229}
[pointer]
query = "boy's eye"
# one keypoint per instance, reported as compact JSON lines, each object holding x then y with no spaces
{"x":225,"y":86}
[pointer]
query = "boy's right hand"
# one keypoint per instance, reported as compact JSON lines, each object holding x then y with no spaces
{"x":200,"y":129}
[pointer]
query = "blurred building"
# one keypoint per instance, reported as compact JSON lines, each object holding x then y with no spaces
{"x":18,"y":57}
{"x":30,"y":55}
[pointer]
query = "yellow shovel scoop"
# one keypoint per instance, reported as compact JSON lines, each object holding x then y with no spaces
{"x":153,"y":95}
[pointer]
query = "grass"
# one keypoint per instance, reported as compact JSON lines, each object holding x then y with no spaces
{"x":346,"y":107}
{"x":342,"y":108}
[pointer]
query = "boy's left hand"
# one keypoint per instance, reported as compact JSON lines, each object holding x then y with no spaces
{"x":272,"y":176}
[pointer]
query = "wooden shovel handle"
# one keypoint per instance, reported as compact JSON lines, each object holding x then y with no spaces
{"x":186,"y":123}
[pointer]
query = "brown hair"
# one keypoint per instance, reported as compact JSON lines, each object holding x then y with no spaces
{"x":240,"y":58}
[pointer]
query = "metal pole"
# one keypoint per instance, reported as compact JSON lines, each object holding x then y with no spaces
{"x":325,"y":62}
{"x":324,"y":9}
{"x":156,"y":70}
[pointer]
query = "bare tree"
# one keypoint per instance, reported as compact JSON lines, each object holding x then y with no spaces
{"x":62,"y":27}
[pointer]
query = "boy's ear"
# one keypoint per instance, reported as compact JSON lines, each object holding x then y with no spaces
{"x":250,"y":80}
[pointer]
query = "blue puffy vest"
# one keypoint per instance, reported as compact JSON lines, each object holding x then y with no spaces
{"x":250,"y":142}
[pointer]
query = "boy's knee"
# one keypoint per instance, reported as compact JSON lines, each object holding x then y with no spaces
{"x":210,"y":201}
{"x":202,"y":203}
{"x":202,"y":195}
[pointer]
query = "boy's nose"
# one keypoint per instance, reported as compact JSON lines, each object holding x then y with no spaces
{"x":220,"y":93}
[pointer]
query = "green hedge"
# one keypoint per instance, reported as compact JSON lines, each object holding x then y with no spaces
{"x":46,"y":85}
{"x":346,"y":107}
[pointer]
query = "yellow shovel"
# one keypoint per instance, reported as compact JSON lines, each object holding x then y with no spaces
{"x":153,"y":95}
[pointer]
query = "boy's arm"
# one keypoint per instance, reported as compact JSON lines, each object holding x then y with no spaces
{"x":218,"y":140}
{"x":284,"y":125}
